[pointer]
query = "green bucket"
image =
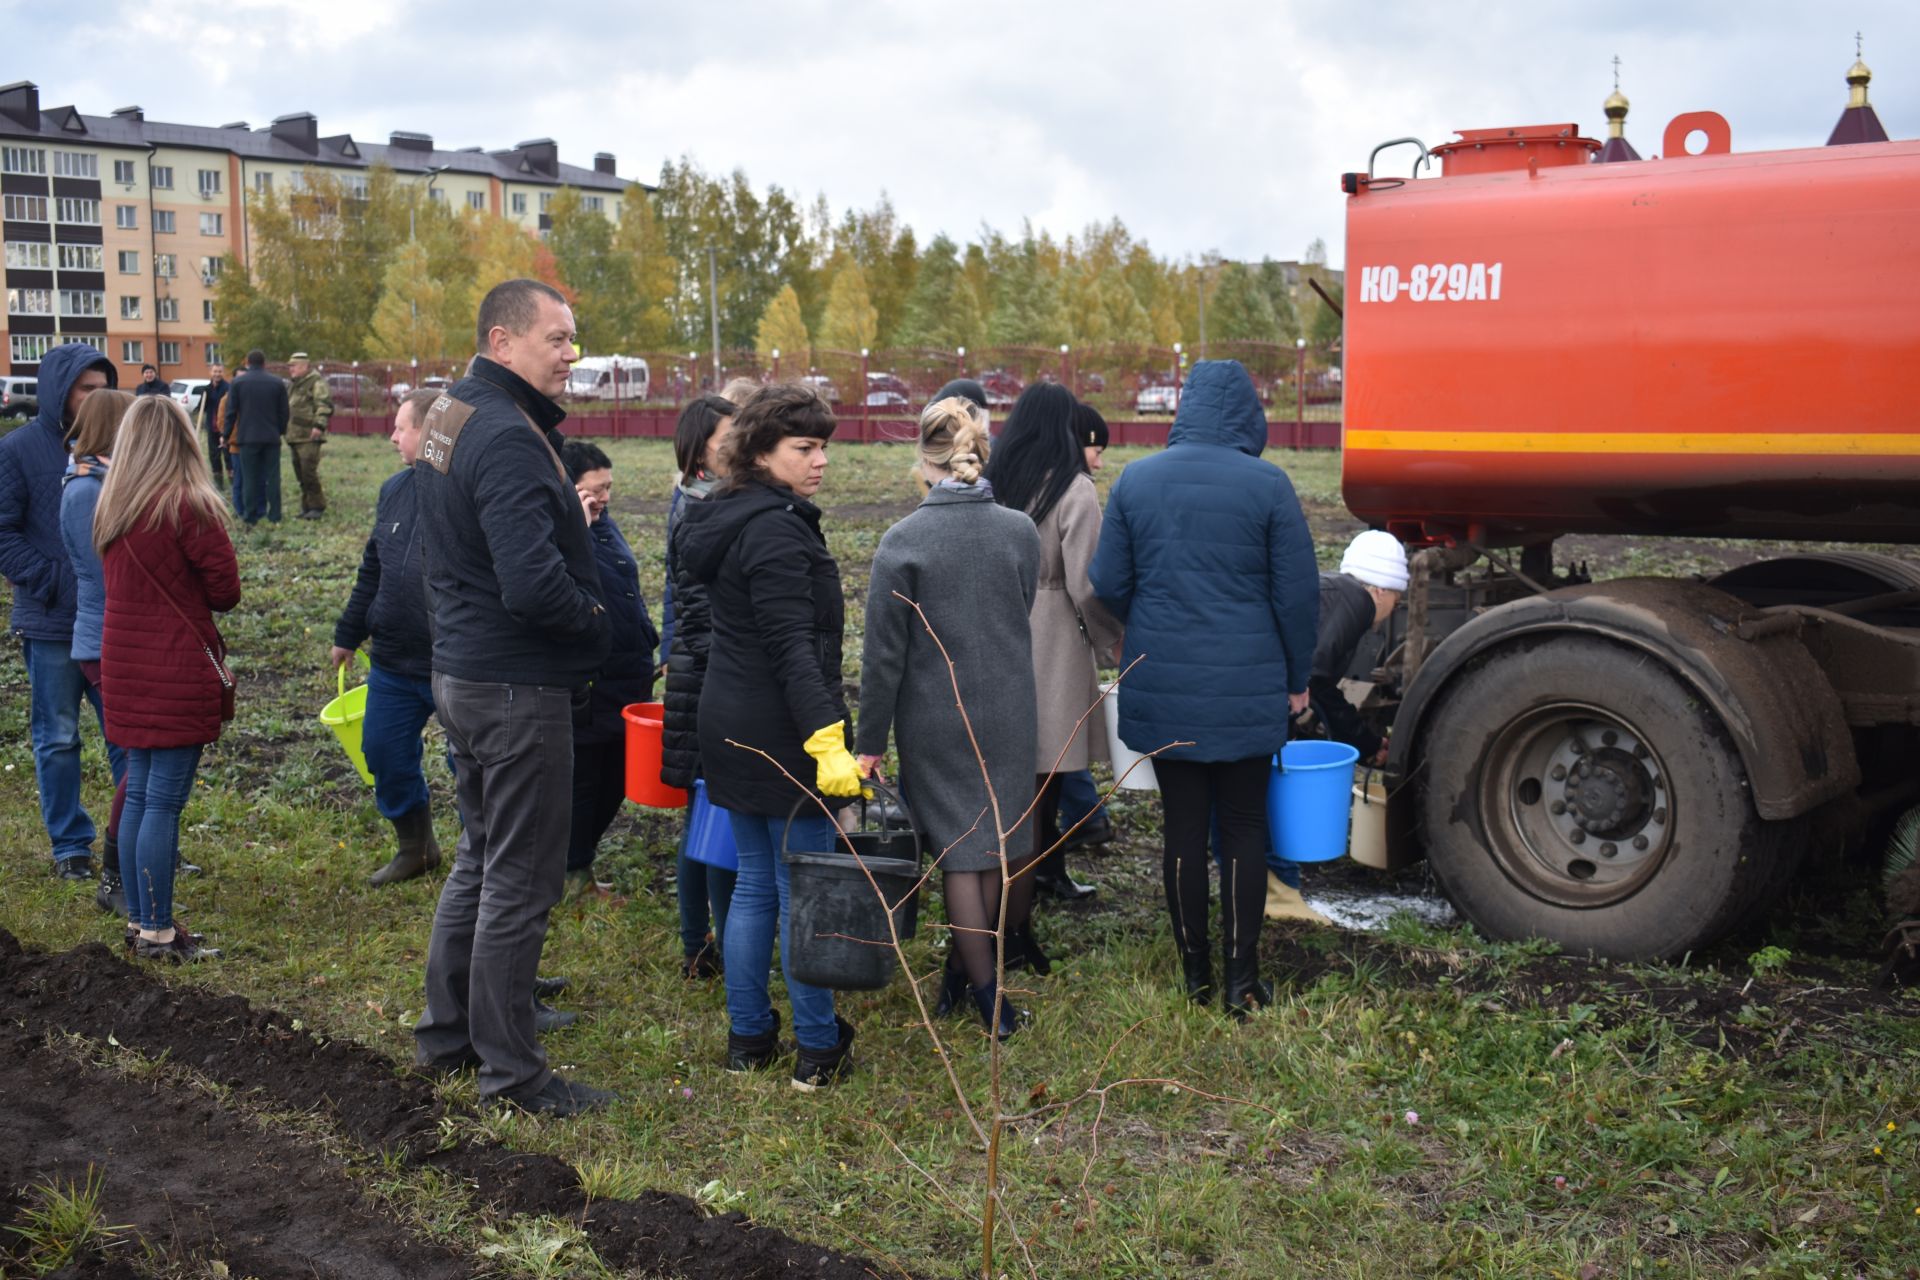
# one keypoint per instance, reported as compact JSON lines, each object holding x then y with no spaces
{"x":343,"y":715}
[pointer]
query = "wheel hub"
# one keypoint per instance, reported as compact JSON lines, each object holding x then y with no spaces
{"x":1576,"y":805}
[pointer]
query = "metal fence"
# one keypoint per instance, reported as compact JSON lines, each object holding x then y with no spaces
{"x":877,"y":395}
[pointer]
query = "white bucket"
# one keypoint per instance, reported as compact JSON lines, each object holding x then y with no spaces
{"x":1131,"y":770}
{"x":1368,"y":841}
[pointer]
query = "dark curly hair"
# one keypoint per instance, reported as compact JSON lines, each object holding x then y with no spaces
{"x":776,"y":412}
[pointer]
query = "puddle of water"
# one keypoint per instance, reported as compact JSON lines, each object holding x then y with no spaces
{"x":1369,"y":912}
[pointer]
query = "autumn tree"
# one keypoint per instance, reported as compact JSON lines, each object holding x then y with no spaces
{"x":605,"y":311}
{"x":851,"y":322}
{"x":640,"y":238}
{"x":408,"y":323}
{"x":943,"y":311}
{"x":783,"y":330}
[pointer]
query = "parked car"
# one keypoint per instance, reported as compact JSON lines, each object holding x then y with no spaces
{"x":1002,"y":388}
{"x":354,"y":392}
{"x":1158,"y":397}
{"x":609,"y":378}
{"x":886,"y":391}
{"x":19,"y":396}
{"x":187,"y":392}
{"x":823,"y":385}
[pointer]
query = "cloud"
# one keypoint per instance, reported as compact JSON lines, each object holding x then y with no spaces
{"x":1217,"y":125}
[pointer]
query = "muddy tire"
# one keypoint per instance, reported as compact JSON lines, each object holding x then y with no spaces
{"x":1579,"y":791}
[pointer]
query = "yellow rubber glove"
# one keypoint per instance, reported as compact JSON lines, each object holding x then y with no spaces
{"x":839,"y":773}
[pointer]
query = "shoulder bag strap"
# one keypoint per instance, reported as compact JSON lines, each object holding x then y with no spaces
{"x":219,"y":668}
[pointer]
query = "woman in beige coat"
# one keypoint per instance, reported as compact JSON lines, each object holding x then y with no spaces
{"x":1037,"y":468}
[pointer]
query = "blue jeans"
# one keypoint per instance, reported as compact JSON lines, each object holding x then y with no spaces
{"x":58,"y":686}
{"x":233,"y":470}
{"x":1079,"y":798}
{"x":397,"y":710}
{"x":759,"y":908}
{"x":159,"y":780}
{"x":705,"y":894}
{"x":260,"y":481}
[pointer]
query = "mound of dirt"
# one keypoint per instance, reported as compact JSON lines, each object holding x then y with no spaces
{"x":90,"y":992}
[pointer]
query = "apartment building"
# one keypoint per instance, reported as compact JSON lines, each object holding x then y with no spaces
{"x":116,"y":227}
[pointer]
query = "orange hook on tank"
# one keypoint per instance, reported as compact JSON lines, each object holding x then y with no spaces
{"x":1711,"y":123}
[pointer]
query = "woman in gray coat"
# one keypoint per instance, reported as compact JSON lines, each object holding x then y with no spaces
{"x":972,"y":567}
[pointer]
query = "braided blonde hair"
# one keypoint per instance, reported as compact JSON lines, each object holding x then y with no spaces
{"x":953,"y":438}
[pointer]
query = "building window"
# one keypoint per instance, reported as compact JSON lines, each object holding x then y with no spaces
{"x":209,"y":182}
{"x":162,"y":176}
{"x":163,"y":221}
{"x":129,"y":308}
{"x":263,"y":183}
{"x":477,"y":200}
{"x":169,"y":309}
{"x":22,"y":160}
{"x":212,"y":224}
{"x":126,"y":217}
{"x":356,"y":187}
{"x":80,"y":213}
{"x":546,"y":201}
{"x":32,"y":256}
{"x":519,"y":205}
{"x":133,"y":352}
{"x":76,"y":164}
{"x":123,"y":171}
{"x":594,"y":204}
{"x":437,"y":195}
{"x":29,"y":302}
{"x":26,"y":209}
{"x":163,"y":265}
{"x":93,"y":340}
{"x":129,"y":262}
{"x":169,"y":353}
{"x":28,"y":348}
{"x":213,"y":353}
{"x":206,"y":310}
{"x":210,"y":269}
{"x":80,"y":257}
{"x":83,"y":302}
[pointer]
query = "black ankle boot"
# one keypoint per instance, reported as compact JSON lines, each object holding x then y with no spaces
{"x":1245,"y":991}
{"x":1023,"y":951}
{"x":110,"y":896}
{"x":754,"y":1053}
{"x":818,"y":1068}
{"x":953,"y":992}
{"x":1198,"y":966}
{"x":1011,"y":1018}
{"x":1052,"y":878}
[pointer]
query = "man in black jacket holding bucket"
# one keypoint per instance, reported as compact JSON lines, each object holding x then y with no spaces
{"x":519,"y":633}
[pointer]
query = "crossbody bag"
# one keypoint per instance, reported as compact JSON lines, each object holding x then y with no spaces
{"x":227,"y":705}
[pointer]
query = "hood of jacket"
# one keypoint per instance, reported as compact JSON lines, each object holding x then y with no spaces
{"x":1219,"y":406}
{"x":96,"y":469}
{"x":60,"y":368}
{"x":708,"y":529}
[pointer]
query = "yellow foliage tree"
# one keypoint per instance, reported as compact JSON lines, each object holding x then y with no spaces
{"x":851,"y":321}
{"x":782,"y":329}
{"x":409,"y":323}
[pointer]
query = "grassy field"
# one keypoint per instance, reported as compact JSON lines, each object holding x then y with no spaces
{"x":1422,"y":1104}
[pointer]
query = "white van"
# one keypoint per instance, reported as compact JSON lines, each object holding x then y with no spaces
{"x":608,"y":378}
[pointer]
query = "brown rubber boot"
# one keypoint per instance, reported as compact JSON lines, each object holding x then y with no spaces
{"x":419,"y":852}
{"x":1285,"y":903}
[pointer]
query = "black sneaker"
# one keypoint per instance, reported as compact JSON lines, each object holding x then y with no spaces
{"x":444,"y":1067}
{"x":754,"y":1053}
{"x":818,"y":1068}
{"x":182,"y":948}
{"x":562,"y":1098}
{"x":80,"y":868}
{"x":111,"y":896}
{"x":545,"y":987}
{"x":547,"y":1018}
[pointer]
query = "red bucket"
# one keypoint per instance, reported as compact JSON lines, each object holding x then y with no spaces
{"x":645,"y":723}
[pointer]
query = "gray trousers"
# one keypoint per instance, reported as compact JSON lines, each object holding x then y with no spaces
{"x":512,"y":747}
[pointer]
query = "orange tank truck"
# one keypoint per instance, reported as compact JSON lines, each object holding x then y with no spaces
{"x":1719,"y":345}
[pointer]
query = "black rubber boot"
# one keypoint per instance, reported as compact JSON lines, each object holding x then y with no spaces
{"x":419,"y":853}
{"x":1011,"y":1018}
{"x":1023,"y":951}
{"x":953,"y":992}
{"x":754,"y":1053}
{"x":111,"y":896}
{"x":1198,"y":966}
{"x":1245,"y":991}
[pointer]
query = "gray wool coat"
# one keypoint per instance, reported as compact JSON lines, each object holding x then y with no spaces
{"x":973,"y":566}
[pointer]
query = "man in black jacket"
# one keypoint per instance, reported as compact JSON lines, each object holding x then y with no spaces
{"x":519,"y":633}
{"x":389,"y":604}
{"x":255,"y":414}
{"x":209,"y":419}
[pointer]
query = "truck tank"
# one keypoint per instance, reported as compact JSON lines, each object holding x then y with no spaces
{"x":1717,"y":345}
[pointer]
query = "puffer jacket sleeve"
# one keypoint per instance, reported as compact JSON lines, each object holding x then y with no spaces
{"x":883,"y":658}
{"x":21,"y":563}
{"x":210,"y":551}
{"x":352,"y":629}
{"x":1293,"y":583}
{"x":775,"y":559}
{"x":518,"y":524}
{"x":1079,"y":537}
{"x":1112,"y":571}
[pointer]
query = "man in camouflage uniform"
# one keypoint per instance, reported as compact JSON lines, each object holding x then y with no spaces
{"x":310,"y":403}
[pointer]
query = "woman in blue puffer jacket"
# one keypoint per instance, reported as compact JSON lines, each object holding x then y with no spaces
{"x":1205,"y":557}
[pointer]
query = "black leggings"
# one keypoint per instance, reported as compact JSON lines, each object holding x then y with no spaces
{"x":1231,"y":794}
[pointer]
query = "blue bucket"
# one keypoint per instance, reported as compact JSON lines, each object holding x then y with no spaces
{"x":710,"y":832}
{"x":1310,"y":800}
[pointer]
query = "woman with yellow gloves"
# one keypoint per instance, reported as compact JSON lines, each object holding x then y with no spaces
{"x":774,"y":686}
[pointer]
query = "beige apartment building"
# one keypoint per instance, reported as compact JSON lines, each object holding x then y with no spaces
{"x":116,"y":227}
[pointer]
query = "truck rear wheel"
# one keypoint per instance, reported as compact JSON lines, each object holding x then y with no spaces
{"x":1579,"y":791}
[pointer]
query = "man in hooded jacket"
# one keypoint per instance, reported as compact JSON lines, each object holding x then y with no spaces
{"x":34,"y":560}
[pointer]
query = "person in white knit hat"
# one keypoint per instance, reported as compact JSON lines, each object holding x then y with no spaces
{"x":1361,"y":596}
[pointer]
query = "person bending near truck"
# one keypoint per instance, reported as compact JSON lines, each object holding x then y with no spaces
{"x":389,"y":606}
{"x":519,"y":633}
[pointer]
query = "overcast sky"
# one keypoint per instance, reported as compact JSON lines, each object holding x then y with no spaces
{"x":1205,"y":125}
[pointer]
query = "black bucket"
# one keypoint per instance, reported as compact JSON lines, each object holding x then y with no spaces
{"x":837,"y":934}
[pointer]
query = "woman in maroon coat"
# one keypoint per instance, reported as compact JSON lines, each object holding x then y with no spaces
{"x":160,"y":527}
